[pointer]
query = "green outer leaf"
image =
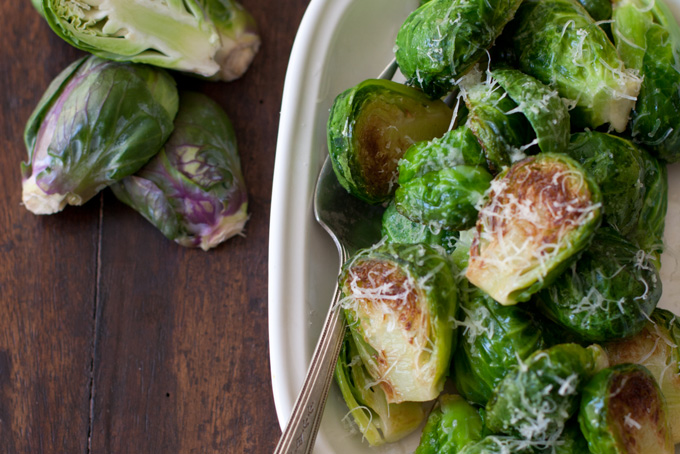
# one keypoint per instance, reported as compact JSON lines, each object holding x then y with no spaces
{"x":561,"y":45}
{"x":452,"y":425}
{"x":396,"y":331}
{"x":397,"y":228}
{"x":606,"y":430}
{"x":491,"y":341}
{"x":378,"y":421}
{"x":599,"y":10}
{"x":542,"y":106}
{"x":536,"y":398}
{"x":501,"y":129}
{"x":498,"y":444}
{"x":388,"y":112}
{"x":447,"y":198}
{"x":443,"y":39}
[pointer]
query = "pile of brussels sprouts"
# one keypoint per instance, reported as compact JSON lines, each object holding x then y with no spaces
{"x":511,"y":304}
{"x":111,"y":120}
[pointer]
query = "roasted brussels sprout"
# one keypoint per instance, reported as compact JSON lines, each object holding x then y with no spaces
{"x":370,"y":128}
{"x":541,"y":105}
{"x":537,"y":397}
{"x":397,"y":228}
{"x":192,"y":190}
{"x":498,"y":124}
{"x":400,"y":301}
{"x":492,"y":339}
{"x":457,"y":147}
{"x":623,"y":411}
{"x":499,"y":444}
{"x":609,"y":293}
{"x":541,"y":213}
{"x":215,"y":38}
{"x":561,"y":45}
{"x":599,"y":10}
{"x":443,"y":39}
{"x":652,"y":221}
{"x":648,"y":40}
{"x":98,"y":122}
{"x":452,"y":425}
{"x":657,"y":348}
{"x":378,"y":421}
{"x":446,"y":198}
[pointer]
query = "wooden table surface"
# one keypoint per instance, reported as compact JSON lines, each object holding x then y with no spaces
{"x":114,"y":339}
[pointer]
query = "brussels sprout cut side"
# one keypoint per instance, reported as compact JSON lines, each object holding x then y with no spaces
{"x":193,"y":190}
{"x":452,"y":425}
{"x":98,"y":122}
{"x":400,"y":302}
{"x":370,"y":128}
{"x":541,"y":212}
{"x":378,"y":421}
{"x":213,"y":38}
{"x":623,"y":411}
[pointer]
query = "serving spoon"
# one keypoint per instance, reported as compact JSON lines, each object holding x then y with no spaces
{"x":353,"y":225}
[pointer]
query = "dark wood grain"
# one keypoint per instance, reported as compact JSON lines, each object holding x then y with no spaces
{"x":112,"y":338}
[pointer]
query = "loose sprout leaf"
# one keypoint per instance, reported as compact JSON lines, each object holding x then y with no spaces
{"x":370,"y":128}
{"x":540,"y":214}
{"x":397,"y":228}
{"x":400,"y":301}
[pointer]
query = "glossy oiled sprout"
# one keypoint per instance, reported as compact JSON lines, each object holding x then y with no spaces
{"x":557,"y":42}
{"x":537,"y":397}
{"x":400,"y":301}
{"x":370,"y":128}
{"x":657,"y":347}
{"x":377,"y":420}
{"x":623,"y":411}
{"x":452,"y":425}
{"x":540,"y":214}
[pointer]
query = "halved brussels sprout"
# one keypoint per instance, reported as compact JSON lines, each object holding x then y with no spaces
{"x":623,"y":411}
{"x":499,"y":125}
{"x":541,"y":105}
{"x":561,"y":45}
{"x":370,"y":128}
{"x":452,"y":425}
{"x":446,"y":198}
{"x":541,"y":213}
{"x":378,"y":421}
{"x":609,"y":293}
{"x":648,"y":40}
{"x":98,"y":122}
{"x":400,"y":301}
{"x":397,"y":228}
{"x":443,"y":39}
{"x":537,"y":397}
{"x":657,"y":347}
{"x":493,"y":338}
{"x":193,"y":190}
{"x":457,"y":147}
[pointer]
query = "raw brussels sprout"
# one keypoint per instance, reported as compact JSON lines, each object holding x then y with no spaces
{"x":452,"y":425}
{"x":498,"y":124}
{"x":609,"y":292}
{"x":648,"y":40}
{"x":192,"y":190}
{"x":540,"y":214}
{"x":623,"y":411}
{"x":370,"y":128}
{"x":207,"y":37}
{"x":456,"y":147}
{"x":492,"y":339}
{"x":561,"y":45}
{"x":397,"y":228}
{"x":657,"y":348}
{"x":444,"y":199}
{"x":443,"y":39}
{"x":98,"y":122}
{"x":537,"y":397}
{"x":541,"y":105}
{"x":378,"y":421}
{"x":400,"y":301}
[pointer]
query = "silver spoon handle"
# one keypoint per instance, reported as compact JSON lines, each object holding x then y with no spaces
{"x":301,"y":430}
